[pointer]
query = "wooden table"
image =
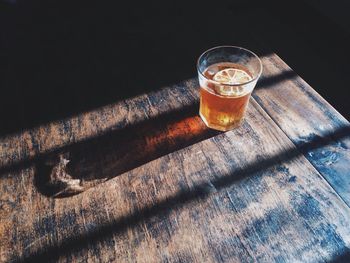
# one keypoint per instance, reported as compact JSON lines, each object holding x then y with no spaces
{"x":276,"y":189}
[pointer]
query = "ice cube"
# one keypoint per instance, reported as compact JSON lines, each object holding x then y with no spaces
{"x":213,"y":70}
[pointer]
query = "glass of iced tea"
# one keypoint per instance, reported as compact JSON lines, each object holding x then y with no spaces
{"x":227,"y":76}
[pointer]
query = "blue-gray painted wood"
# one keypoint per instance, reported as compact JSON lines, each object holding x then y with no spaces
{"x":306,"y":117}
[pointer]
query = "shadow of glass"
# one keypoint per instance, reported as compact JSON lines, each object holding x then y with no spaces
{"x":108,"y":156}
{"x":199,"y":191}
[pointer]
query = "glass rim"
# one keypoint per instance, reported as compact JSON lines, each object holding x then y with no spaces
{"x":230,"y":85}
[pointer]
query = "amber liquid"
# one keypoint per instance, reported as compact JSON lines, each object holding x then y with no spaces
{"x":222,"y":112}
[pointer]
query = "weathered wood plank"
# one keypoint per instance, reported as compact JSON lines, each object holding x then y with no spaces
{"x":244,"y":195}
{"x":305,"y":116}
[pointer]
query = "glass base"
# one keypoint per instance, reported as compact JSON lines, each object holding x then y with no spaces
{"x":217,"y":127}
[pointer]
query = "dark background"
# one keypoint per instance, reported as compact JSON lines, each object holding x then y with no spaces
{"x":60,"y":58}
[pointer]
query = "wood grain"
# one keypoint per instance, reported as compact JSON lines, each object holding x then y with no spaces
{"x":187,"y":195}
{"x":305,"y":116}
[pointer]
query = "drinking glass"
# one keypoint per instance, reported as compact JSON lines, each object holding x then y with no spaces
{"x":227,"y":76}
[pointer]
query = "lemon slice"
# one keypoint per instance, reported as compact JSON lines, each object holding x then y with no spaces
{"x":232,"y":76}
